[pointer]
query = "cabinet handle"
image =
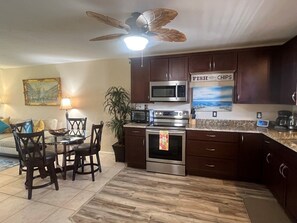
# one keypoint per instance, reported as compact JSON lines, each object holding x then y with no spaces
{"x":238,"y":97}
{"x":209,"y":65}
{"x":266,"y":141}
{"x":210,"y":149}
{"x":143,"y":142}
{"x":170,"y":76}
{"x":166,"y":75}
{"x":294,"y":96}
{"x":214,"y":65}
{"x":267,"y":157}
{"x":284,"y":168}
{"x":135,"y":131}
{"x":211,"y":136}
{"x":148,"y":97}
{"x":210,"y":165}
{"x":242,"y":138}
{"x":280,"y":169}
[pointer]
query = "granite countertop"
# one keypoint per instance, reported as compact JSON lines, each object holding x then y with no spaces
{"x":240,"y":126}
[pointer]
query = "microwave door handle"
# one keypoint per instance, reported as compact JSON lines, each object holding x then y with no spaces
{"x":176,"y":91}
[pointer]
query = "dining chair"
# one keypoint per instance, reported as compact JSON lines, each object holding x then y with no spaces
{"x":88,"y":150}
{"x":21,"y":128}
{"x":76,"y":127}
{"x":31,"y":147}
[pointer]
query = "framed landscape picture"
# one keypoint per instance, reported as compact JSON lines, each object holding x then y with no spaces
{"x":46,"y":91}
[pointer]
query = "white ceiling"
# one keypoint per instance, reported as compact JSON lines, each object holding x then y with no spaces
{"x":34,"y":32}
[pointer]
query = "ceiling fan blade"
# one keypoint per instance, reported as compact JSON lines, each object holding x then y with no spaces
{"x":109,"y":20}
{"x":156,"y":18}
{"x":170,"y":35}
{"x":108,"y":37}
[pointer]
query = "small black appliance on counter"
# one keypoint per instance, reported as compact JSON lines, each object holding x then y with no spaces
{"x":282,"y":121}
{"x":142,"y":116}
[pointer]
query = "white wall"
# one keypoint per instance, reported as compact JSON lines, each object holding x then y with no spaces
{"x":84,"y":82}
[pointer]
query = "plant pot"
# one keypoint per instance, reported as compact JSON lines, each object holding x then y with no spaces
{"x":119,"y":152}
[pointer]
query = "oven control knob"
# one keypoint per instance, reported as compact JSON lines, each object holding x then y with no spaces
{"x":180,"y":114}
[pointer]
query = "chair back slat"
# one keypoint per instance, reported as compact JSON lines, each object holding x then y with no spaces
{"x":96,"y":136}
{"x":76,"y":126}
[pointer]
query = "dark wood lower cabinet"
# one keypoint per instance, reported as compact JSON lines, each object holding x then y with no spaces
{"x":212,"y":154}
{"x":135,"y":147}
{"x":280,"y":175}
{"x":250,"y":157}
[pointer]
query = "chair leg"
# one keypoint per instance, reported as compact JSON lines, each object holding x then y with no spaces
{"x":53,"y":176}
{"x":98,"y":161}
{"x":83,"y":164}
{"x":75,"y":166}
{"x":92,"y":167}
{"x":20,"y":167}
{"x":29,"y":180}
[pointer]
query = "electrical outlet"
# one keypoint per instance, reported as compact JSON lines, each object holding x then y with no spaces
{"x":214,"y":114}
{"x":259,"y":115}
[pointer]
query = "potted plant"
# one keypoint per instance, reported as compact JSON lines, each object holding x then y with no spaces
{"x":117,"y":104}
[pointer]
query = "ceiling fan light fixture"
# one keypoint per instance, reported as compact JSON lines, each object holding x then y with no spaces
{"x":135,"y":43}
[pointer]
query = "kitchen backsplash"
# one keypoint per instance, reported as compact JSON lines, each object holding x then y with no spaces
{"x":239,"y":111}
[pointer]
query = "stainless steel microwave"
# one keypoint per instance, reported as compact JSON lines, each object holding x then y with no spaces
{"x":168,"y":91}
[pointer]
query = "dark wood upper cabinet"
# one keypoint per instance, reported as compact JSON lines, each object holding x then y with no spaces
{"x":254,"y":76}
{"x":217,"y":61}
{"x":169,"y":69}
{"x":140,"y":80}
{"x":289,"y":72}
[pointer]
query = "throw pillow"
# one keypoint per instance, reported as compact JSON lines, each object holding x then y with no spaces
{"x":38,"y":126}
{"x":28,"y":126}
{"x":3,"y":126}
{"x":7,"y":121}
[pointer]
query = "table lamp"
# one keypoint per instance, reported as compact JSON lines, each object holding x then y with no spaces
{"x":66,"y":105}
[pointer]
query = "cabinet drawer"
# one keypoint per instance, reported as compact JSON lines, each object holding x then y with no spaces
{"x":135,"y":131}
{"x":211,"y":167}
{"x":212,"y":149}
{"x":213,"y":136}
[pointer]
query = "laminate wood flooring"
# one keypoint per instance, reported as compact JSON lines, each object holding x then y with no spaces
{"x":139,"y":196}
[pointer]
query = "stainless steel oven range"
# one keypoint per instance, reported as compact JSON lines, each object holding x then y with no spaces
{"x":170,"y":160}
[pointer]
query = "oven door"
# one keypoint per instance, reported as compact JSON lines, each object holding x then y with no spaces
{"x":176,"y":147}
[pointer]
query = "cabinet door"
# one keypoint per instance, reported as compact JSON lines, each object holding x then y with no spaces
{"x":289,"y":72}
{"x":178,"y":69}
{"x":140,"y":79}
{"x":250,"y":157}
{"x":200,"y":62}
{"x":135,"y":147}
{"x":272,"y":170}
{"x":224,"y":61}
{"x":159,"y":69}
{"x":291,"y":197}
{"x":253,"y":76}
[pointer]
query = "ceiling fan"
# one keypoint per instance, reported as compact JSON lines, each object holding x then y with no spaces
{"x":140,"y":26}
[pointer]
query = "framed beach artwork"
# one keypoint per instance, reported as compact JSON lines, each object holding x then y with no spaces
{"x":212,"y":98}
{"x":46,"y":91}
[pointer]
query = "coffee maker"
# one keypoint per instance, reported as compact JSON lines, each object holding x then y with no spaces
{"x":292,"y":123}
{"x":282,"y":121}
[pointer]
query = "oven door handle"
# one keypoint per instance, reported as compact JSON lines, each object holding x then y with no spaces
{"x":170,"y":132}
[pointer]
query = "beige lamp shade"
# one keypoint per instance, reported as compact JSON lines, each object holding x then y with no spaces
{"x":65,"y":104}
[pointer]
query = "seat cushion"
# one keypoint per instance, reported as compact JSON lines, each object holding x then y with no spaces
{"x":84,"y":149}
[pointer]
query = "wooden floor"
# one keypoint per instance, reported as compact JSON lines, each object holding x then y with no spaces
{"x":139,"y":196}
